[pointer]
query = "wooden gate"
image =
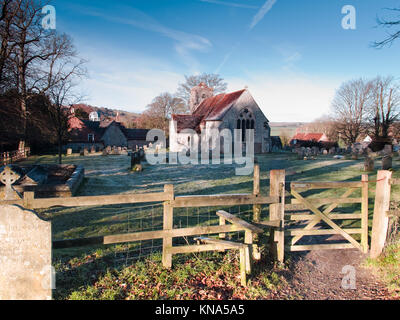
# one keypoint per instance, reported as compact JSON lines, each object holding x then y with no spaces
{"x":319,"y":219}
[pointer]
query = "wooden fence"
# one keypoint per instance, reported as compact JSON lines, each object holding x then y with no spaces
{"x":280,"y":218}
{"x":14,"y":156}
{"x":227,"y":222}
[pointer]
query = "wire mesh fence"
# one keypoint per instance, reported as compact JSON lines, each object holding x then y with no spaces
{"x":151,"y":218}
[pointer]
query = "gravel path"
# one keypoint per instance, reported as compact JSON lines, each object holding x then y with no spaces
{"x":317,"y":275}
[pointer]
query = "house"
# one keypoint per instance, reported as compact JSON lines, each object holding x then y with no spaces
{"x":301,"y":138}
{"x":236,"y":110}
{"x":100,"y":134}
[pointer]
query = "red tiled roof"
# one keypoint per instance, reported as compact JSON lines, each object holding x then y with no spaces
{"x":308,"y":136}
{"x":212,"y":108}
{"x":80,"y":129}
{"x":187,"y":121}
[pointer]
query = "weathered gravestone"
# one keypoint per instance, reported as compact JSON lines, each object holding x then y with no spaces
{"x":135,"y":162}
{"x":141,"y":154}
{"x":84,"y":152}
{"x":369,"y":163}
{"x":387,"y":157}
{"x":386,"y":162}
{"x":69,"y":151}
{"x":8,"y":177}
{"x":25,"y":255}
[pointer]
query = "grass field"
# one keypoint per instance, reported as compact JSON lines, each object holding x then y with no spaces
{"x":114,"y":272}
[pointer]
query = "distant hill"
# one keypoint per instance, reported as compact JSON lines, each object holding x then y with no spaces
{"x":290,"y":127}
{"x":125,"y":117}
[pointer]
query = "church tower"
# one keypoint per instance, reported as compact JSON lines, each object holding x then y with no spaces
{"x":198,"y":94}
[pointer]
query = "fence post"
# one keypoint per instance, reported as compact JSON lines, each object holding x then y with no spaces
{"x":256,"y":192}
{"x":380,"y":220}
{"x":256,"y":210}
{"x":168,"y":222}
{"x":276,"y":212}
{"x":364,"y":213}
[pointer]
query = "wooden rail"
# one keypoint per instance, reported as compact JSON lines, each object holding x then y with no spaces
{"x":14,"y":156}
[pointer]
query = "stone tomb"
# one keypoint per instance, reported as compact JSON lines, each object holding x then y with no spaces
{"x":25,"y":255}
{"x":45,"y":180}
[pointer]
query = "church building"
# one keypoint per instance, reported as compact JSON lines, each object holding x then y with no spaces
{"x":236,"y":110}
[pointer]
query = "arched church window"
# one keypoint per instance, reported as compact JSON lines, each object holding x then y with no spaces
{"x":238,"y":124}
{"x":252,"y":124}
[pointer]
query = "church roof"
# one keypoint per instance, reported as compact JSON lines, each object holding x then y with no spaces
{"x":211,"y":109}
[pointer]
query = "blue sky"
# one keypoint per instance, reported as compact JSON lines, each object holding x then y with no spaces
{"x":292,"y":55}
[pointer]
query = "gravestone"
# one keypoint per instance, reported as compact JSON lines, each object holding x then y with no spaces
{"x":325,"y":152}
{"x":69,"y":151}
{"x":135,"y":162}
{"x":314,"y":151}
{"x":115,"y":150}
{"x":386,"y":162}
{"x":84,"y":152}
{"x":369,"y":163}
{"x":387,"y":157}
{"x":25,"y":255}
{"x":93,"y":149}
{"x":8,"y":177}
{"x":141,"y":154}
{"x":387,"y":149}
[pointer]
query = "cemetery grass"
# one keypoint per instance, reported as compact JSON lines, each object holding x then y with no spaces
{"x":114,"y":272}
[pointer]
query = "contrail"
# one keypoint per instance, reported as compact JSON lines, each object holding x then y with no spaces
{"x":230,"y":4}
{"x":262,"y":12}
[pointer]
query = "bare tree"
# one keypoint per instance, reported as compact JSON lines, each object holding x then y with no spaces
{"x":158,"y":113}
{"x":384,"y":108}
{"x":324,"y":124}
{"x":389,"y":23}
{"x":30,"y":49}
{"x":58,"y":78}
{"x":8,"y":11}
{"x":285,"y":137}
{"x":213,"y":81}
{"x":349,"y":108}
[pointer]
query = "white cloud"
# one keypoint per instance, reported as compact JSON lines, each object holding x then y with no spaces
{"x":289,"y":97}
{"x":262,"y":12}
{"x":127,"y":81}
{"x":185,"y":42}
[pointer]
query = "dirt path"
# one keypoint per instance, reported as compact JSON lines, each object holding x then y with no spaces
{"x":317,"y":275}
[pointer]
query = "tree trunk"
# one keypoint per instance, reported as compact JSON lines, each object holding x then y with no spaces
{"x":59,"y":149}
